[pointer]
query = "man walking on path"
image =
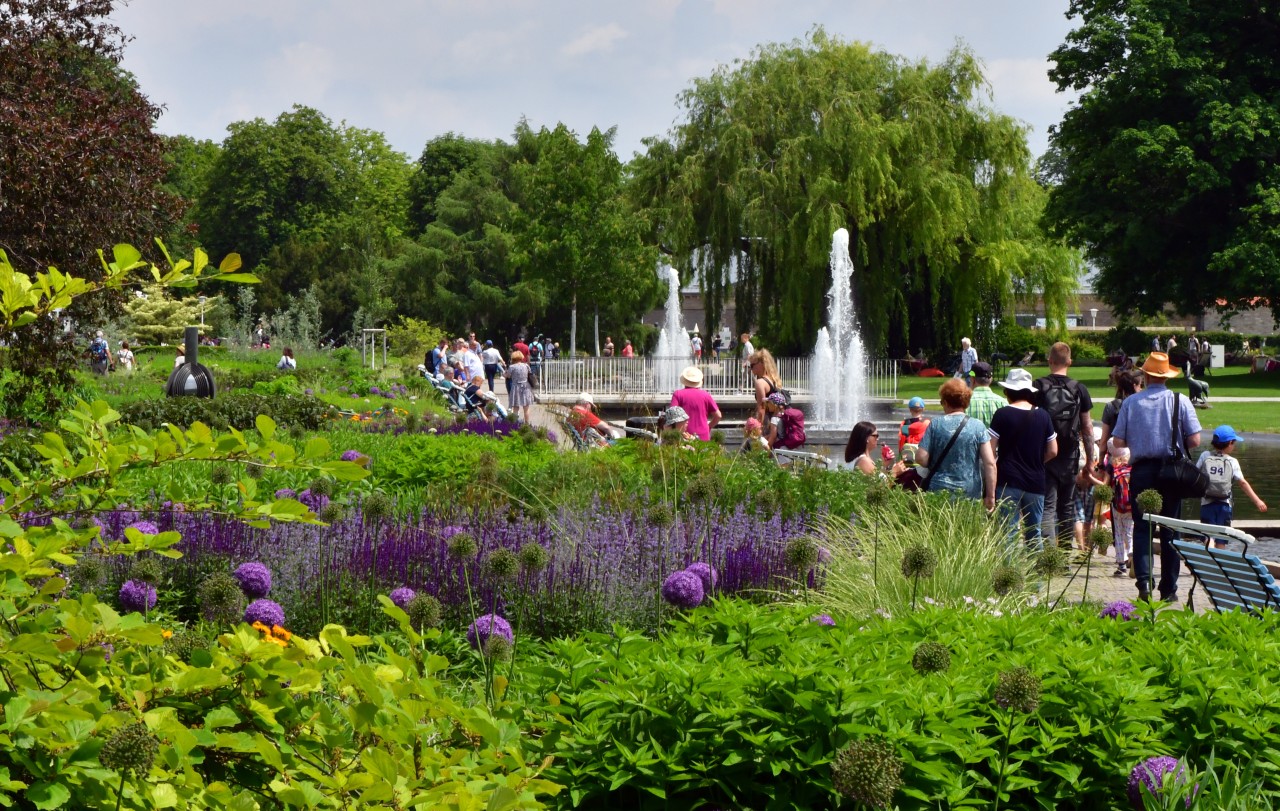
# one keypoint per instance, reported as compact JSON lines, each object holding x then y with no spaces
{"x":968,"y":357}
{"x":1068,"y":404}
{"x":1145,"y":426}
{"x":984,"y":402}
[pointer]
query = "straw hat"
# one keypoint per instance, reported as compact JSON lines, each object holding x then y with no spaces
{"x":1157,"y":365}
{"x":691,"y":376}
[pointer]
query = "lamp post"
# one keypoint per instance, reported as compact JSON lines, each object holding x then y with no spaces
{"x":1093,"y":314}
{"x":202,"y":300}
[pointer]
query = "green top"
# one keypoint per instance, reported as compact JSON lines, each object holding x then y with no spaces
{"x":984,"y":403}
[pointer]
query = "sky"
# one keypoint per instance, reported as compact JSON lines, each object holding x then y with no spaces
{"x":416,"y":69}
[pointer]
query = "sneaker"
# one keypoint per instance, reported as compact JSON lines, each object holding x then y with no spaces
{"x":1120,"y":571}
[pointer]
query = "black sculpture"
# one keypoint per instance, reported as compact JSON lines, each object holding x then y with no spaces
{"x":190,"y":379}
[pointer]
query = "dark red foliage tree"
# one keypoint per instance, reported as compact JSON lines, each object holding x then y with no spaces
{"x":80,"y":165}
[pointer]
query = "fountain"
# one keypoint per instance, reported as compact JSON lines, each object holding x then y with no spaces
{"x":839,"y":371}
{"x":675,"y":350}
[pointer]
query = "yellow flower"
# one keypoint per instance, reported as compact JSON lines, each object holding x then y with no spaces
{"x":166,"y":633}
{"x":284,"y":634}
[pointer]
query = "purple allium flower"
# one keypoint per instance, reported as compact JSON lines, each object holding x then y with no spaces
{"x":822,"y":619}
{"x":267,"y":612}
{"x":375,"y":390}
{"x":145,"y":527}
{"x":313,"y":502}
{"x":683,"y":589}
{"x":478,"y":632}
{"x":308,"y":392}
{"x":1151,"y":772}
{"x":137,"y":596}
{"x":254,"y":579}
{"x":1118,"y":609}
{"x":706,"y":574}
{"x":351,"y":455}
{"x":402,"y":596}
{"x":285,"y":492}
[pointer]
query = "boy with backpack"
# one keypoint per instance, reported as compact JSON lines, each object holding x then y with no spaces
{"x":99,"y":354}
{"x":1223,"y":470}
{"x":911,"y":430}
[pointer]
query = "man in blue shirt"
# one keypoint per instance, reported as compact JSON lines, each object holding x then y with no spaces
{"x":1145,"y":426}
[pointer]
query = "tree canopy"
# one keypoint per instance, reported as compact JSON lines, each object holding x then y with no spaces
{"x":1167,"y":169}
{"x":778,"y":151}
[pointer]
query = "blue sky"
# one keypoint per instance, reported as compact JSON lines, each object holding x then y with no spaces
{"x":417,"y":69}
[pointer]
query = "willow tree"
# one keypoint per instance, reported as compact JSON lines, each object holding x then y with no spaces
{"x":778,"y":151}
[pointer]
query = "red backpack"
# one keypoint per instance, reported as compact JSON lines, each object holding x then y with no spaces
{"x":1120,"y":484}
{"x":792,"y":429}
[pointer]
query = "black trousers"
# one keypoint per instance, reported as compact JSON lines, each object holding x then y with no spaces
{"x":1144,"y":477}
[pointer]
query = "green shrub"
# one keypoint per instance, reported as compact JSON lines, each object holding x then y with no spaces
{"x":228,"y":411}
{"x":742,"y":706}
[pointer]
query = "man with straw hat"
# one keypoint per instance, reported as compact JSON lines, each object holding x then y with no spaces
{"x":704,"y":413}
{"x":1145,"y":427}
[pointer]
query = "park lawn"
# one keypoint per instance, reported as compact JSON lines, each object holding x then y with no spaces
{"x":1233,"y":381}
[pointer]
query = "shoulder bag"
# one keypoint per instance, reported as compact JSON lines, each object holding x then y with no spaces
{"x":1179,"y":476}
{"x":912,"y":480}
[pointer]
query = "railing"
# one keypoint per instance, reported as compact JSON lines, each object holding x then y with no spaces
{"x":646,"y":377}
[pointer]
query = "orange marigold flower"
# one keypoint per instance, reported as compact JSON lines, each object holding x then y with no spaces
{"x":166,"y":633}
{"x":283,"y":633}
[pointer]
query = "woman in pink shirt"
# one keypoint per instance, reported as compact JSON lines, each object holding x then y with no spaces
{"x":701,"y":407}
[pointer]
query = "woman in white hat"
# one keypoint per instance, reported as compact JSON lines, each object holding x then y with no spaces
{"x":701,"y":408}
{"x":1024,"y":440}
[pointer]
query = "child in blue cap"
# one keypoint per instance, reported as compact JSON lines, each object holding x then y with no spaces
{"x":1223,"y":471}
{"x":911,"y":430}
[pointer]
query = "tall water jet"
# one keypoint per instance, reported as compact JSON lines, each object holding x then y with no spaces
{"x":839,"y":370}
{"x":675,"y":350}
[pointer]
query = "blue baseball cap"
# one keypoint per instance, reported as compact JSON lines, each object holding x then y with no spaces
{"x":915,"y":402}
{"x":1225,"y":433}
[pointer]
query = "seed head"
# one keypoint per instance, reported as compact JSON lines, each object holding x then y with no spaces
{"x":221,"y":600}
{"x":221,"y":475}
{"x":1006,"y":580}
{"x":253,"y":471}
{"x":877,"y":493}
{"x":704,"y":488}
{"x":533,"y":558}
{"x":376,"y":507}
{"x":184,"y":643}
{"x":1100,"y":538}
{"x":332,"y":513}
{"x":919,"y":561}
{"x":1102,"y":494}
{"x":462,"y":546}
{"x":89,"y":572}
{"x":424,"y":612}
{"x":801,"y":554}
{"x":498,"y":648}
{"x":1018,"y":690}
{"x":868,"y":771}
{"x":501,"y":564}
{"x":132,"y":748}
{"x":1050,"y":561}
{"x":1150,"y":501}
{"x":146,"y":570}
{"x":931,"y":657}
{"x":661,"y":515}
{"x":321,"y":486}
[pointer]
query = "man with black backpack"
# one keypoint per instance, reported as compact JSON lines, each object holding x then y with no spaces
{"x":1068,"y":404}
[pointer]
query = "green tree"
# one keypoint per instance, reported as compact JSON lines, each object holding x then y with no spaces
{"x":154,"y":317}
{"x":577,"y":234}
{"x":777,"y":152}
{"x":189,"y":161}
{"x":443,"y":158}
{"x":1167,"y":168}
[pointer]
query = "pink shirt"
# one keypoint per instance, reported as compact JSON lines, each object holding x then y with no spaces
{"x":699,"y":406}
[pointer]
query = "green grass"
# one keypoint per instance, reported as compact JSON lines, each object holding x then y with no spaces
{"x":1233,"y":381}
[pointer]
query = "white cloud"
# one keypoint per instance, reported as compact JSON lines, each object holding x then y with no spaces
{"x":600,"y":39}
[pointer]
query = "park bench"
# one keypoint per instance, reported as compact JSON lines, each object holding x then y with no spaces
{"x":1232,"y":579}
{"x":799,"y":460}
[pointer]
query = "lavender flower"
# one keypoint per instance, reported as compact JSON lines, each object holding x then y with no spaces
{"x":137,"y":596}
{"x":254,"y":579}
{"x":683,"y":589}
{"x":1118,"y":609}
{"x":267,"y":612}
{"x":145,"y":527}
{"x":706,"y":574}
{"x":1151,"y":772}
{"x":478,"y":632}
{"x":403,"y":596}
{"x":822,"y":619}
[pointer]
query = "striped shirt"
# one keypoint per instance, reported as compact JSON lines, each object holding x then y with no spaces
{"x":1146,"y":420}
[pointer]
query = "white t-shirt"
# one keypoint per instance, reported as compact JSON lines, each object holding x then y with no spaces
{"x":491,"y":355}
{"x":748,"y":350}
{"x":1209,"y":460}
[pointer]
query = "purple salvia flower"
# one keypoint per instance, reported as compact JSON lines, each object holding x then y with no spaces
{"x":478,"y":632}
{"x":267,"y":612}
{"x":403,"y":596}
{"x":683,"y":589}
{"x":254,"y":579}
{"x":137,"y":596}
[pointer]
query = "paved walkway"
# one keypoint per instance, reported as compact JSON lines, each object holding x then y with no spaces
{"x":1103,"y":587}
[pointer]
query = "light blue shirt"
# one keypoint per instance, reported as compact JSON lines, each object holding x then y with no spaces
{"x":961,"y":471}
{"x":1145,"y":422}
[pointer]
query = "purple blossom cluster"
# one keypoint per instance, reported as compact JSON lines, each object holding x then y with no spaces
{"x":683,"y":589}
{"x":1151,"y":773}
{"x":402,"y":596}
{"x":254,"y":579}
{"x":145,"y":527}
{"x":605,"y":564}
{"x":478,"y":632}
{"x":267,"y":612}
{"x":1118,"y":609}
{"x":137,"y":596}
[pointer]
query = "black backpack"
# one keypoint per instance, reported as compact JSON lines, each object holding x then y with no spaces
{"x":1062,"y":400}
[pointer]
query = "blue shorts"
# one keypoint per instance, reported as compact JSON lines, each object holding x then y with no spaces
{"x":1217,"y":513}
{"x":1084,"y":506}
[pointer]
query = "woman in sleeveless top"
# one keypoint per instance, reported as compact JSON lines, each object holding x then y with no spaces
{"x":767,"y":379}
{"x":860,"y":452}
